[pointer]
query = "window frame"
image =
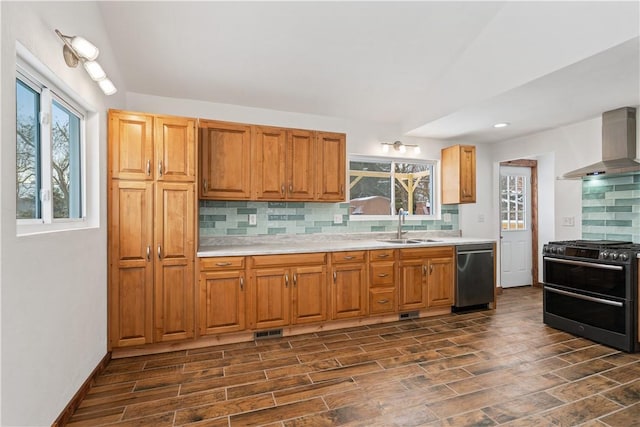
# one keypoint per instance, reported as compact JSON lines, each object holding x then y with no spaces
{"x":435,"y":199}
{"x":27,"y":73}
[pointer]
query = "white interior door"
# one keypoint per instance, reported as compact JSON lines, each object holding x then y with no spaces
{"x":515,"y":226}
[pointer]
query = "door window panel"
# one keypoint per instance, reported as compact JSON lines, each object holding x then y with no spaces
{"x":513,"y":207}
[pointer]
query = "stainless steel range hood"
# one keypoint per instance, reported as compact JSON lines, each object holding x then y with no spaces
{"x":618,"y":146}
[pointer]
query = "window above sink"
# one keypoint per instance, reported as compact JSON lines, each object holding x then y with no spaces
{"x":379,"y":187}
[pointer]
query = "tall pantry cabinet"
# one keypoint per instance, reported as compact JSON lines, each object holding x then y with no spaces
{"x":151,"y":232}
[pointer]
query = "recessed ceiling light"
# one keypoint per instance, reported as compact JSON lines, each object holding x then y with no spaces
{"x":501,"y":125}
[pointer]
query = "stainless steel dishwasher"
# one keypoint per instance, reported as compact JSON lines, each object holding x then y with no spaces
{"x":475,"y":277}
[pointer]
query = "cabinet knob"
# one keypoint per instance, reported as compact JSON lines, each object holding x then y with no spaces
{"x":295,"y":279}
{"x":205,"y":187}
{"x":335,"y":276}
{"x":242,"y":283}
{"x":286,"y":280}
{"x":424,"y":269}
{"x":431,"y":269}
{"x":282,"y":189}
{"x":290,"y":188}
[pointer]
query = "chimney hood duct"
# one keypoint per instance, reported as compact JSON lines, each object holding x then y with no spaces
{"x":618,"y":146}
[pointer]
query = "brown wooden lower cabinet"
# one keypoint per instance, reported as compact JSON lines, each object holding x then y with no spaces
{"x":426,"y":278}
{"x":237,"y":294}
{"x":348,"y":284}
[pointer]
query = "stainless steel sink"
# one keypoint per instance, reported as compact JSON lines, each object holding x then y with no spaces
{"x":408,"y":241}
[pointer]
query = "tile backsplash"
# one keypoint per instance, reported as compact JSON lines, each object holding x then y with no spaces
{"x":219,"y":218}
{"x":611,"y":208}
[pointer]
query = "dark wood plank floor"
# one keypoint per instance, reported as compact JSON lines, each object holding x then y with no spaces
{"x":474,"y":369}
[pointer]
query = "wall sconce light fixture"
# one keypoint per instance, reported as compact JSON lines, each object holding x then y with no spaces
{"x":78,"y":49}
{"x":400,"y":147}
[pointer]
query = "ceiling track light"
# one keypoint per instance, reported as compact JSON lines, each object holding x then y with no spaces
{"x":77,"y":49}
{"x":399,"y":146}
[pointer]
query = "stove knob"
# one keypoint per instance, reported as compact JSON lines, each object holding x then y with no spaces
{"x":561,"y":250}
{"x":553,"y":249}
{"x":605,"y":255}
{"x":614,"y":255}
{"x":624,"y":257}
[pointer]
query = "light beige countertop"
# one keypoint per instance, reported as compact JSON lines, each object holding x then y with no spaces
{"x":309,"y":243}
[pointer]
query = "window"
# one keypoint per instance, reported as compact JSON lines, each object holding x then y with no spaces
{"x":383,"y":186}
{"x":513,"y":197}
{"x":49,"y":153}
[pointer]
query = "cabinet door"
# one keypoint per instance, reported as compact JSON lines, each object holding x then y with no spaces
{"x":130,"y":254}
{"x":268,"y":165}
{"x":440,"y":282}
{"x":222,"y":302}
{"x":301,"y":167}
{"x":270,"y":298}
{"x":175,"y":143}
{"x":174,"y":252}
{"x":309,"y":296}
{"x":348,"y":291}
{"x":331,"y":149}
{"x":225,"y":160}
{"x":467,"y":174}
{"x":131,"y":146}
{"x":412,"y":291}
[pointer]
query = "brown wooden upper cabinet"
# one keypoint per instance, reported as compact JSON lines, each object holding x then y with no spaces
{"x":331,"y":167}
{"x":147,"y":147}
{"x":251,"y":162}
{"x":225,"y":160}
{"x":283,"y":165}
{"x":459,"y":174}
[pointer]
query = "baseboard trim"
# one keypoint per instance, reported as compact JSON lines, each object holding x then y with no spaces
{"x":73,"y":404}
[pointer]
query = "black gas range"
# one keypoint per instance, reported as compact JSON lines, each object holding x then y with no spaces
{"x":591,"y":290}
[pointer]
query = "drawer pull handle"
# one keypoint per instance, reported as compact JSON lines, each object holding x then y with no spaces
{"x":349,"y":257}
{"x":205,"y":187}
{"x":431,"y":269}
{"x":290,"y":188}
{"x":295,"y":279}
{"x":148,"y":253}
{"x":242,"y":283}
{"x":160,"y":168}
{"x":335,"y":277}
{"x":159,"y":251}
{"x":382,"y":255}
{"x":383,"y":301}
{"x":282,"y":189}
{"x":286,"y":280}
{"x":148,"y":167}
{"x":223,"y":264}
{"x":424,"y":270}
{"x":382,"y":275}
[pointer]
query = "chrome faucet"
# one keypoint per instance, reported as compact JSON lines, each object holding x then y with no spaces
{"x":401,"y":214}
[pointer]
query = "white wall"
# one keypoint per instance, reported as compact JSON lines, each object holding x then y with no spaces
{"x":557,"y":151}
{"x":363,"y":138}
{"x":54,"y":284}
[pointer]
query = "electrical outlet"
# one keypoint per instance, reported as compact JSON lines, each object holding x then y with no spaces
{"x":446,"y":217}
{"x":253,"y":219}
{"x":568,"y":221}
{"x":337,"y":219}
{"x":481,"y":218}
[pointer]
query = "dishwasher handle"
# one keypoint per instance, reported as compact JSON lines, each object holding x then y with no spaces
{"x":484,"y":251}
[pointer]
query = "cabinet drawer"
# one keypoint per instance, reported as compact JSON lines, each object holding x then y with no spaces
{"x":382,"y":301}
{"x":347,"y":256}
{"x":432,"y":252}
{"x":222,"y":263}
{"x":381,"y":255}
{"x":382,"y":274}
{"x":293,"y":260}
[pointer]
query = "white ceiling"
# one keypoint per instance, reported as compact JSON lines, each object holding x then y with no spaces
{"x":436,"y":69}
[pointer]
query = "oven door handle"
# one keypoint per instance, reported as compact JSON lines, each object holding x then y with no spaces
{"x":586,"y":264}
{"x":585,"y":297}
